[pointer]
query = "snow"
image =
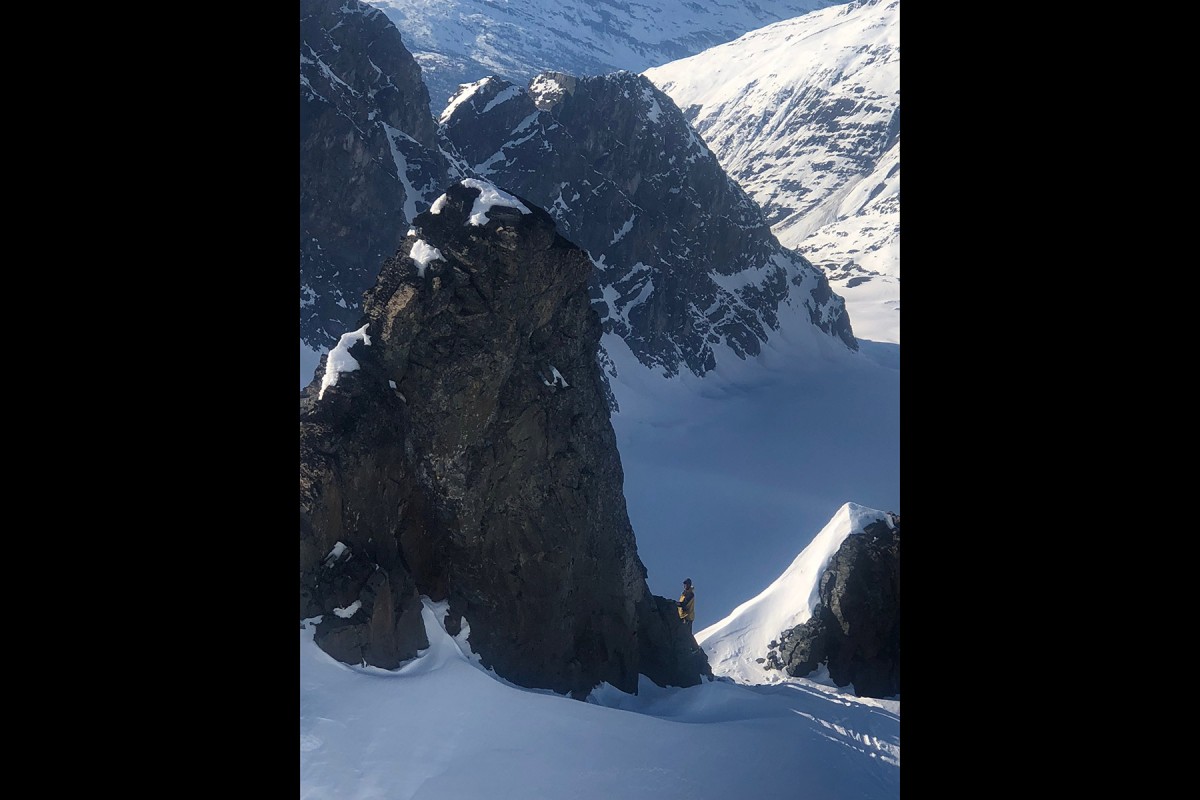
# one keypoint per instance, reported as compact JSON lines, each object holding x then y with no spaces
{"x":503,"y":97}
{"x":763,"y":104}
{"x":441,"y":726}
{"x":556,"y":379}
{"x":783,"y":456}
{"x":401,"y":163}
{"x":873,"y":302}
{"x":619,"y":234}
{"x":747,"y":481}
{"x":489,"y":196}
{"x":340,"y":360}
{"x":545,"y":90}
{"x":456,"y":41}
{"x":327,"y":71}
{"x":349,"y":611}
{"x":335,"y":553}
{"x":766,"y":450}
{"x":525,"y":123}
{"x":803,"y":114}
{"x":423,"y":253}
{"x":733,"y":643}
{"x":465,"y":92}
{"x":654,"y":109}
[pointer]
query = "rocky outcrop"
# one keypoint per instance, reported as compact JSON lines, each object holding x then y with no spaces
{"x":369,"y":160}
{"x":458,"y":445}
{"x":687,"y":269}
{"x":855,"y":630}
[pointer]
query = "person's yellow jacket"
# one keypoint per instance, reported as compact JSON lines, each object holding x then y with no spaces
{"x":687,"y":605}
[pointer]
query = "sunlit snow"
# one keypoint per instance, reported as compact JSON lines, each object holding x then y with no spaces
{"x":423,"y":253}
{"x":340,"y":360}
{"x":489,"y":195}
{"x":736,"y":641}
{"x":442,"y":726}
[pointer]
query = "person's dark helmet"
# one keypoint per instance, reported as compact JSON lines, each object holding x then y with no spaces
{"x":687,"y":581}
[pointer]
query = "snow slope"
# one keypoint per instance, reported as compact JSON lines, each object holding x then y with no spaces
{"x":461,"y":41}
{"x":442,"y":727}
{"x":729,"y":476}
{"x":736,"y":641}
{"x":805,"y":115}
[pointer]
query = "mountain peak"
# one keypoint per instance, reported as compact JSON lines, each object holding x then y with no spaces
{"x":786,"y":629}
{"x":687,"y":271}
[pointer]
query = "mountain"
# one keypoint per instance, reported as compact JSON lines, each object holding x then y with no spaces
{"x":836,"y":608}
{"x":369,"y":159}
{"x":805,"y":115}
{"x":462,"y":41}
{"x":724,"y":476}
{"x":443,"y":725}
{"x":770,"y":446}
{"x":685,"y":265}
{"x":687,"y":272}
{"x":458,"y":446}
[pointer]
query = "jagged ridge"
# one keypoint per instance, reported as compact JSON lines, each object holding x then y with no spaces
{"x":686,"y":265}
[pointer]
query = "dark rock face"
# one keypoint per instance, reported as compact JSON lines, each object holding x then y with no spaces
{"x":369,"y":160}
{"x":856,"y":629}
{"x":470,"y":457}
{"x":686,"y":266}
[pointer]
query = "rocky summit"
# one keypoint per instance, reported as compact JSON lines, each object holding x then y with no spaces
{"x":457,"y":444}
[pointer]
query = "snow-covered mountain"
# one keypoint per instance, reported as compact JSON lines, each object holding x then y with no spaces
{"x":687,"y":271}
{"x":726,"y":476}
{"x":461,"y":41}
{"x":737,"y":645}
{"x":685,"y":263}
{"x":805,"y":115}
{"x":769,"y":447}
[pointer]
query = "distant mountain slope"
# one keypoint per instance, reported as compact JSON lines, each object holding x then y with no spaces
{"x":461,"y":41}
{"x":805,"y":115}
